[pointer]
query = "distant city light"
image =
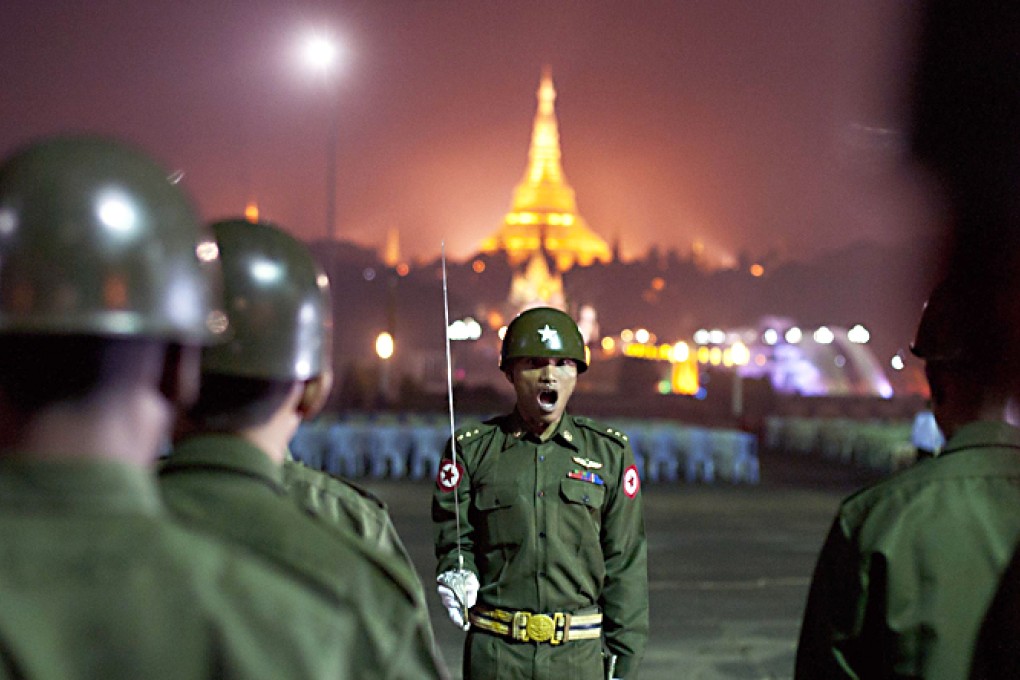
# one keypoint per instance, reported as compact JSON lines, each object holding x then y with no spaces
{"x":627,"y":335}
{"x":757,"y":270}
{"x":478,"y":266}
{"x":896,"y":362}
{"x":739,"y":353}
{"x":770,"y":336}
{"x":760,"y":360}
{"x":658,"y":283}
{"x":403,"y":269}
{"x":824,"y":336}
{"x":465,"y":329}
{"x":608,"y":344}
{"x":681,"y":352}
{"x":251,"y":212}
{"x":384,"y":345}
{"x":715,"y":356}
{"x":701,"y":336}
{"x":642,"y":336}
{"x":368,"y":274}
{"x":858,"y":334}
{"x":794,"y":335}
{"x":716,"y":336}
{"x":840,"y":361}
{"x":501,"y":332}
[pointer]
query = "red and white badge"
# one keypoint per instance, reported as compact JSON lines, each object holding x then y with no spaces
{"x":449,"y":476}
{"x":631,"y":482}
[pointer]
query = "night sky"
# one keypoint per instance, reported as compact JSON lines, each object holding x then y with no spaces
{"x":768,"y":126}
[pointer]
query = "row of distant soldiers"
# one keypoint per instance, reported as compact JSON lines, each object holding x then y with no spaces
{"x":126,"y":324}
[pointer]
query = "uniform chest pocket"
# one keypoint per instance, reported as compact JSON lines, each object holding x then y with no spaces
{"x":498,"y":519}
{"x":582,"y":508}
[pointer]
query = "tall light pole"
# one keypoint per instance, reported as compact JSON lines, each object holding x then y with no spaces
{"x":322,"y":54}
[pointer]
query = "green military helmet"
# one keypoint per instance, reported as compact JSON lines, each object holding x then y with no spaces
{"x":96,"y":240}
{"x":277,"y":303}
{"x":543,"y":332}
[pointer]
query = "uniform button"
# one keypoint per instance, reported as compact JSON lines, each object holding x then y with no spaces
{"x":541,"y":493}
{"x":541,"y":459}
{"x":541,"y":574}
{"x":586,"y":499}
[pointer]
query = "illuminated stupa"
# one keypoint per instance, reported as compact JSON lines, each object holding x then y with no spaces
{"x":544,"y":209}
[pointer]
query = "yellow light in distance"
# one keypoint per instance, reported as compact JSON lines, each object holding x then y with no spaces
{"x":608,"y":344}
{"x":715,"y":356}
{"x":384,"y":345}
{"x":251,"y":212}
{"x":681,"y":351}
{"x":478,"y":266}
{"x":757,"y":270}
{"x":740,"y":354}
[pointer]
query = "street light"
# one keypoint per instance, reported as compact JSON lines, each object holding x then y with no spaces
{"x":384,"y":347}
{"x":321,"y":54}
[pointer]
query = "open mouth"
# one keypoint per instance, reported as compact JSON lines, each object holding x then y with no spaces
{"x":547,"y":400}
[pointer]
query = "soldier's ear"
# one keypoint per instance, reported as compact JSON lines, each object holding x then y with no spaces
{"x":314,"y":394}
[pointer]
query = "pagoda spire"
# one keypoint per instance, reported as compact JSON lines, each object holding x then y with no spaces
{"x":543,"y":185}
{"x":543,"y":214}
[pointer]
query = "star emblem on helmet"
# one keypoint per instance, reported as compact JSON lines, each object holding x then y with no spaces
{"x":550,"y":337}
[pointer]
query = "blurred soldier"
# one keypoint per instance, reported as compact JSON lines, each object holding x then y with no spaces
{"x":347,"y":505}
{"x":911,"y":563}
{"x":106,"y":283}
{"x":225,"y":473}
{"x":539,"y":526}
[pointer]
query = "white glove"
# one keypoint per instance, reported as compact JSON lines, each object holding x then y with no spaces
{"x":458,"y":589}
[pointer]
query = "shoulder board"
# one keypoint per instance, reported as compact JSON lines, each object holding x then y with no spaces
{"x":471,"y":433}
{"x":607,"y":431}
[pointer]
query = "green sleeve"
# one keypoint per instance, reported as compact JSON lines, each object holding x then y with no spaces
{"x":832,"y":643}
{"x":625,"y":592}
{"x":446,"y":502}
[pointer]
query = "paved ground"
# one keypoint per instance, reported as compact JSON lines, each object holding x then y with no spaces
{"x":729,"y":567}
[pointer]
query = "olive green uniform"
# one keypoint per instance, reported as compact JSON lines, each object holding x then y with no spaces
{"x":223,"y":485}
{"x":346,"y":505}
{"x":549,"y":527}
{"x":97,"y":582}
{"x":912,"y":563}
{"x":351,"y":508}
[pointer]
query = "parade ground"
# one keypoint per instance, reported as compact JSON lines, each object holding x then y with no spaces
{"x":729,"y":566}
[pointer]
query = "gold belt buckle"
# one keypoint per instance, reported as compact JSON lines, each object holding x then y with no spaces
{"x":540,"y":627}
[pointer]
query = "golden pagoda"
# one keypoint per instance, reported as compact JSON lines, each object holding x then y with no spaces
{"x":544,"y":210}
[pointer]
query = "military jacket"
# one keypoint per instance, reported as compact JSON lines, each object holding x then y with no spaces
{"x":344,"y":504}
{"x":97,"y":582}
{"x":351,"y":508}
{"x":223,"y":485}
{"x":549,"y":526}
{"x":912,"y":563}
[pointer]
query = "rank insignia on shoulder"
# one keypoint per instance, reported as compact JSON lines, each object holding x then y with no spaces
{"x":587,"y":476}
{"x":587,"y":463}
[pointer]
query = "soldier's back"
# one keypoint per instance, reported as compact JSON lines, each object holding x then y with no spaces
{"x":96,"y":582}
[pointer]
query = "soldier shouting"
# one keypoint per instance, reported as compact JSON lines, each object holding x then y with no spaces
{"x":539,"y":526}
